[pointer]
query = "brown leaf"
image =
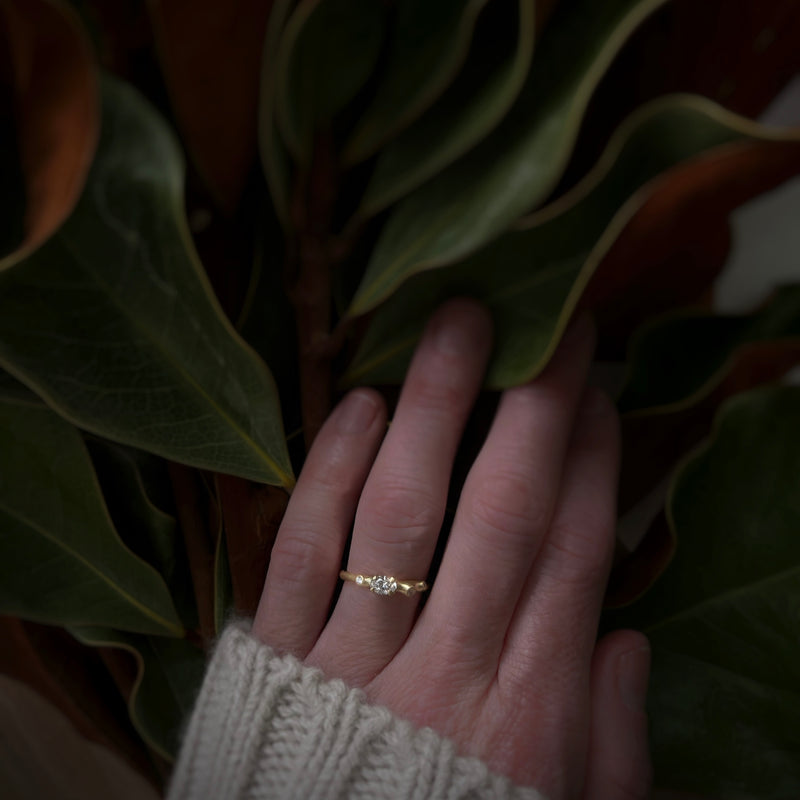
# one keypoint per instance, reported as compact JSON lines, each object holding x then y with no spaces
{"x":634,"y":573}
{"x":739,"y":54}
{"x":677,"y":243}
{"x":55,"y":89}
{"x":654,"y":443}
{"x":251,"y":514}
{"x":211,"y":56}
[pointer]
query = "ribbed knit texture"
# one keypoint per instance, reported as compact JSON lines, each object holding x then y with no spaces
{"x":266,"y":726}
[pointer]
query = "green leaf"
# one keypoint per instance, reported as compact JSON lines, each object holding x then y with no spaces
{"x":429,"y":44}
{"x":516,"y":167}
{"x":61,"y":560}
{"x":328,"y":50}
{"x":723,"y":619}
{"x":12,"y":389}
{"x":169,"y":674}
{"x":532,"y":279}
{"x":133,"y":484}
{"x":465,"y":114}
{"x":113,"y":323}
{"x":678,"y":359}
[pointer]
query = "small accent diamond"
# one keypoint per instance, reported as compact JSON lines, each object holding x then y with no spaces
{"x":360,"y":580}
{"x":383,"y":584}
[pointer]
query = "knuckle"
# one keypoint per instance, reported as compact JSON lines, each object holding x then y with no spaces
{"x":300,"y":557}
{"x":506,"y":503}
{"x":436,"y":392}
{"x":406,"y":509}
{"x":335,"y":474}
{"x":577,"y":553}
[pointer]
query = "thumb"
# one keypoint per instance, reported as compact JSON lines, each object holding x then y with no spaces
{"x":618,"y":766}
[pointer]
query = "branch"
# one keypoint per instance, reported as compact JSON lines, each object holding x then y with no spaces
{"x":192,"y":513}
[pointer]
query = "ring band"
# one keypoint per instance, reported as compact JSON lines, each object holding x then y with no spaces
{"x":384,"y":584}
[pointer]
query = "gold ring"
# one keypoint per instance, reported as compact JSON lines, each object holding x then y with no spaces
{"x":384,"y":584}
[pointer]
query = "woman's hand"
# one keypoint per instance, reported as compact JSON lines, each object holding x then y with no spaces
{"x":503,"y":658}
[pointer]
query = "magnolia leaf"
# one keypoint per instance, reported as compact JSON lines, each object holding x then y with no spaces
{"x":114,"y":324}
{"x":132,"y":482}
{"x":57,"y":114}
{"x":169,"y":674}
{"x":327,"y":52}
{"x":532,"y":279}
{"x":465,"y":114}
{"x":12,"y":389}
{"x":61,"y":560}
{"x":723,"y":619}
{"x":210,"y":54}
{"x":671,"y":252}
{"x":274,"y":157}
{"x":429,"y":43}
{"x":678,"y":359}
{"x":633,"y":575}
{"x":518,"y":165}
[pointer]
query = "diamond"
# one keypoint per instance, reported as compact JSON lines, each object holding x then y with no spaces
{"x":383,"y":584}
{"x":360,"y":580}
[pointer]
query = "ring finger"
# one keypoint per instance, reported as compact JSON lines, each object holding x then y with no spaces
{"x":403,"y":503}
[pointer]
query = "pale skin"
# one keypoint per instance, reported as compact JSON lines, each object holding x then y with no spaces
{"x":503,"y":659}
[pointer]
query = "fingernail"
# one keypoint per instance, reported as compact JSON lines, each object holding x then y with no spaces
{"x":356,"y":413}
{"x":459,"y":334}
{"x":633,"y":674}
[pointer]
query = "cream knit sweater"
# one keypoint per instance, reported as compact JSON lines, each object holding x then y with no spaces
{"x":265,"y":726}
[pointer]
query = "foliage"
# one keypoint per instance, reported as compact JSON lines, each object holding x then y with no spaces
{"x":219,"y":216}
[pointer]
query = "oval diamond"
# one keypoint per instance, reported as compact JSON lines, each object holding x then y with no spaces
{"x":383,"y":584}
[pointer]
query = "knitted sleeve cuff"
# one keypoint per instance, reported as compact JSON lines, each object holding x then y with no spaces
{"x":265,"y":726}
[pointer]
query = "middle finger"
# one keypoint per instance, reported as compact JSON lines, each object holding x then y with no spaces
{"x":403,"y":503}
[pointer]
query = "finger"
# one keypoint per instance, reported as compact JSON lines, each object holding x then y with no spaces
{"x":403,"y":503}
{"x":305,"y":561}
{"x":558,"y":613}
{"x":619,"y":766}
{"x":506,"y":504}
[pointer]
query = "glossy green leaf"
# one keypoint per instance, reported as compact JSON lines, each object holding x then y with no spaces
{"x":532,"y":279}
{"x":274,"y":157}
{"x":518,"y":165}
{"x":678,"y":359}
{"x":61,"y":560}
{"x":724,"y":619}
{"x":465,"y":114}
{"x":133,"y":484}
{"x":12,"y":389}
{"x":429,"y":42}
{"x":169,"y":674}
{"x":327,"y":52}
{"x":114,"y":324}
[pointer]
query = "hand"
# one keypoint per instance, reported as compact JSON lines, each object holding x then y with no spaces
{"x":503,"y":658}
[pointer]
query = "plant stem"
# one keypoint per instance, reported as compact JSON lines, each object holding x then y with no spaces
{"x":192,"y":515}
{"x":311,"y":284}
{"x":251,"y":515}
